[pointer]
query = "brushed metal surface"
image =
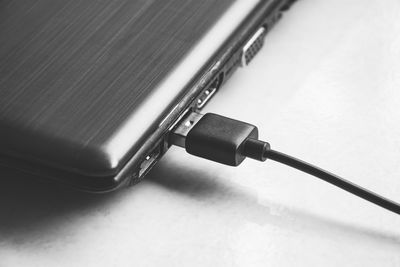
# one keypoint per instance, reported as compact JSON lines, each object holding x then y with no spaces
{"x":72,"y":72}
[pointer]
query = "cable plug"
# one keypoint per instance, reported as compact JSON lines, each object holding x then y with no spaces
{"x":219,"y":139}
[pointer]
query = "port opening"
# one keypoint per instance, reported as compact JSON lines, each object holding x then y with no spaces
{"x":209,"y":92}
{"x":150,"y":160}
{"x":253,"y":46}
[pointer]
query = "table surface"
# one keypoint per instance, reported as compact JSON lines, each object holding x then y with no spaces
{"x":324,"y":89}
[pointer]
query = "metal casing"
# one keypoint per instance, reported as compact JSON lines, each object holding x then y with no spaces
{"x":83,"y":84}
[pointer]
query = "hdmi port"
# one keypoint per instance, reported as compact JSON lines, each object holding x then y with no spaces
{"x":207,"y":94}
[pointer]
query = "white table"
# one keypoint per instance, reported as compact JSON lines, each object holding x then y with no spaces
{"x":326,"y":88}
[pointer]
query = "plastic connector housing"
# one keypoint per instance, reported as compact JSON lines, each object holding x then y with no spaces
{"x":219,"y":139}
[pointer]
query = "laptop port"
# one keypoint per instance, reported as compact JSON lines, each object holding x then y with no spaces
{"x":253,"y":46}
{"x":209,"y":92}
{"x":149,"y":161}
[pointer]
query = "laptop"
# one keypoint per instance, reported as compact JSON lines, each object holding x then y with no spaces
{"x":89,"y":90}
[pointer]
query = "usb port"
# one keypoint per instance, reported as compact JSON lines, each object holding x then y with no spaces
{"x":208,"y":93}
{"x":149,"y":161}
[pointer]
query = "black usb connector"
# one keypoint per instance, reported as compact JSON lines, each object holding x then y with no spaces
{"x":230,"y":141}
{"x":219,"y":139}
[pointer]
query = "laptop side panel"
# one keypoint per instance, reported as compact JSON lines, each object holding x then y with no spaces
{"x":74,"y":72}
{"x":86,"y":100}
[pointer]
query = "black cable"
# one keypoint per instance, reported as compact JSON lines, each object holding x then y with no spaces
{"x":229,"y":142}
{"x":333,"y":179}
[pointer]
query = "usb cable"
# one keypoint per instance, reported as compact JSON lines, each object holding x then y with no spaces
{"x":229,"y":142}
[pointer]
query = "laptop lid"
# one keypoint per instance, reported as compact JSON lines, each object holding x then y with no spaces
{"x":84,"y":83}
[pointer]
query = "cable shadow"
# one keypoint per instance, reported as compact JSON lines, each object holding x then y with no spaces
{"x":29,"y":205}
{"x":195,"y":184}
